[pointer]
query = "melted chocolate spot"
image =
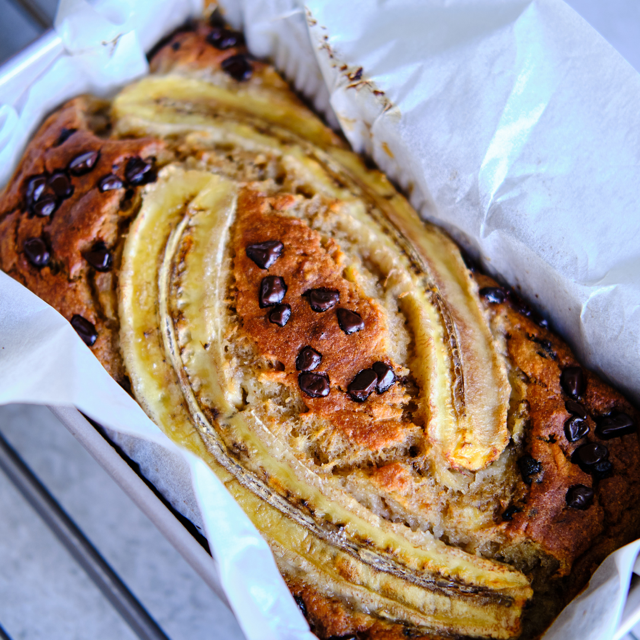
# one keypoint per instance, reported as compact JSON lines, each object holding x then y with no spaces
{"x":494,"y":295}
{"x":45,"y":206}
{"x":576,"y":409}
{"x":280,"y":315}
{"x":308,"y":359}
{"x":60,"y":184}
{"x":176,"y":46}
{"x":509,"y":512}
{"x":572,"y":382}
{"x":272,"y":291}
{"x":615,"y":425}
{"x":138,"y":171}
{"x":265,"y":254}
{"x":362,"y":385}
{"x":322,"y":299}
{"x":589,"y":455}
{"x":37,"y":252}
{"x":35,"y":187}
{"x":83,"y":163}
{"x":579,"y":497}
{"x":222,"y":38}
{"x":529,"y":466}
{"x":85,"y":330}
{"x":99,"y":257}
{"x":315,"y":385}
{"x":238,"y":67}
{"x":350,"y":321}
{"x":109,"y":183}
{"x":65,"y":134}
{"x":575,"y":428}
{"x":385,"y":374}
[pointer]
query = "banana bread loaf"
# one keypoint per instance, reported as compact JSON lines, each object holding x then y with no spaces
{"x":424,"y":456}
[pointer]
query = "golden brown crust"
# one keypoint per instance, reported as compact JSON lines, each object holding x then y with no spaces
{"x":306,"y":265}
{"x":545,"y":518}
{"x":330,"y":618}
{"x":88,"y":215}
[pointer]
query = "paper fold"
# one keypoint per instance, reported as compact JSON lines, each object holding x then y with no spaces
{"x":509,"y":122}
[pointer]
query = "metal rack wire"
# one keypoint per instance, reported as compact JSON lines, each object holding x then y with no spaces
{"x":59,"y":522}
{"x":78,"y":545}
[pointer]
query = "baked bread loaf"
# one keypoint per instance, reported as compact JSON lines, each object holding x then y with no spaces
{"x":425,"y":458}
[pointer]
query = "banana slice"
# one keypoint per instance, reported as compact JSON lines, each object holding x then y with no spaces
{"x":463,"y":381}
{"x":353,"y":275}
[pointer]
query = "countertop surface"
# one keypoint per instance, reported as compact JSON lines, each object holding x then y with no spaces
{"x":44,"y":594}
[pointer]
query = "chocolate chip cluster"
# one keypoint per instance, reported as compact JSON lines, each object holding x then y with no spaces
{"x":44,"y":193}
{"x":238,"y":66}
{"x":316,"y":384}
{"x":591,"y":457}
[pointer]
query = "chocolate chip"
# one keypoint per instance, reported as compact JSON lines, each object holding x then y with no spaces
{"x":579,"y":497}
{"x":265,"y":254}
{"x":588,"y":455}
{"x":494,"y":295}
{"x":308,"y":359}
{"x":546,"y":345}
{"x":272,"y":291}
{"x":322,"y":299}
{"x":529,"y":466}
{"x":385,"y":374}
{"x":575,"y":428}
{"x":176,"y":46}
{"x":301,"y":604}
{"x":280,"y":315}
{"x":362,"y":385}
{"x":60,"y":184}
{"x":509,"y":512}
{"x":110,"y":182}
{"x":65,"y":134}
{"x":601,"y":470}
{"x":222,"y":38}
{"x":138,"y":171}
{"x":519,"y":305}
{"x":35,"y":187}
{"x":350,"y":321}
{"x":45,"y":206}
{"x":576,"y":409}
{"x":37,"y":252}
{"x":85,"y":330}
{"x":83,"y":163}
{"x":315,"y":385}
{"x":572,"y":382}
{"x":99,"y":257}
{"x":615,"y":425}
{"x":238,"y":67}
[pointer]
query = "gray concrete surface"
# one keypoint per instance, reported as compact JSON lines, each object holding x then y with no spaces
{"x":44,"y":594}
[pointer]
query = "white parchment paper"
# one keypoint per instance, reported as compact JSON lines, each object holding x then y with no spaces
{"x":510,"y":122}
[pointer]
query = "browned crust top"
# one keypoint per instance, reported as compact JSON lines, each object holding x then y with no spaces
{"x":68,"y":282}
{"x":305,"y":264}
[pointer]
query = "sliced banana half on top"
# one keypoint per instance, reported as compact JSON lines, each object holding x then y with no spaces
{"x":287,"y":305}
